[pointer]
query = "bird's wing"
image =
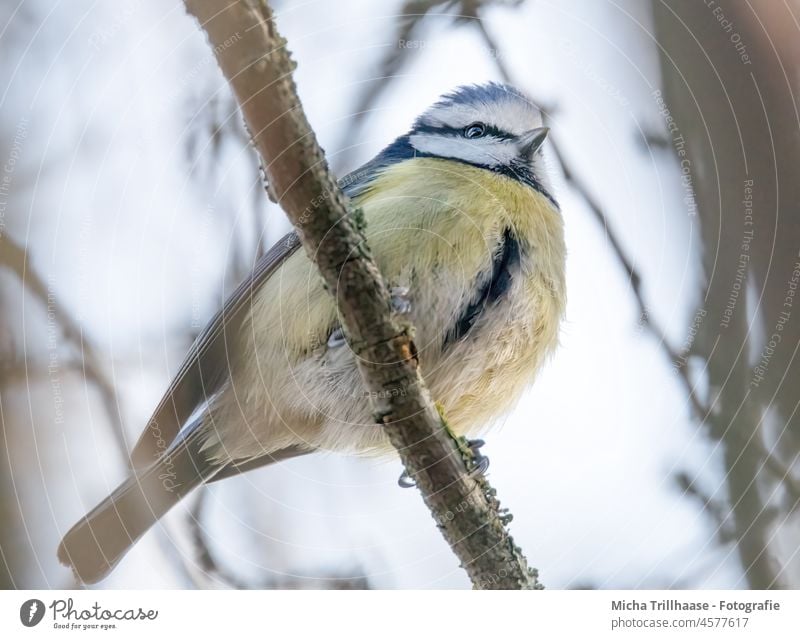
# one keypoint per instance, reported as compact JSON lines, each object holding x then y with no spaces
{"x":204,"y":368}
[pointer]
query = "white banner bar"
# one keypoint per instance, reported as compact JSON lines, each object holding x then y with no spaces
{"x":399,"y":614}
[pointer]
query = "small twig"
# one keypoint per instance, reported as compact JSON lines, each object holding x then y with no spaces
{"x":726,"y":533}
{"x":782,"y":472}
{"x":211,"y":566}
{"x":205,"y":559}
{"x":635,"y":280}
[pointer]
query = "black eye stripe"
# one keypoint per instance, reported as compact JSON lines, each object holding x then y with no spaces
{"x":494,"y":132}
{"x":490,"y":131}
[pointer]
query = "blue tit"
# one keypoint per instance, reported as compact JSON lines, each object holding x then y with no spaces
{"x":461,"y":215}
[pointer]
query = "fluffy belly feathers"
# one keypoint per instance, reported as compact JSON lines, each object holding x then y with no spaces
{"x":435,"y":226}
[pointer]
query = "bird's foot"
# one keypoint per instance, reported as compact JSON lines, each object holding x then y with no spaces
{"x":481,"y":460}
{"x":405,"y":481}
{"x":480,"y":468}
{"x":401,"y":300}
{"x":337,"y":338}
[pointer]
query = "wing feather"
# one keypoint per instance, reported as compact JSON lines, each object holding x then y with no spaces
{"x":202,"y":374}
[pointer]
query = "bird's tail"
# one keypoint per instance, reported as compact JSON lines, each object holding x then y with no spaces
{"x":96,"y":544}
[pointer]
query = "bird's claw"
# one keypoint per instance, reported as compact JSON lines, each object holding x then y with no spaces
{"x":337,"y":338}
{"x":405,"y":481}
{"x":401,"y":302}
{"x":481,"y":460}
{"x":479,"y":470}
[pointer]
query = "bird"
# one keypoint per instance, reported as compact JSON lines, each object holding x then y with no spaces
{"x":464,"y":226}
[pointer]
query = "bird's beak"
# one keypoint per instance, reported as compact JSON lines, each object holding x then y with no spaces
{"x":530,"y":141}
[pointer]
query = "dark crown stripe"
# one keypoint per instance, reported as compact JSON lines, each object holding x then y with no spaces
{"x":451,"y":131}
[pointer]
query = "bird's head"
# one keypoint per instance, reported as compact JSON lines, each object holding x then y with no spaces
{"x":491,"y":126}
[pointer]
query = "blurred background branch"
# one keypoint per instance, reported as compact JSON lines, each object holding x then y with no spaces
{"x":746,"y":205}
{"x":15,"y":258}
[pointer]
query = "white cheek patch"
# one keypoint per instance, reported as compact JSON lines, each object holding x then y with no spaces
{"x":483,"y":151}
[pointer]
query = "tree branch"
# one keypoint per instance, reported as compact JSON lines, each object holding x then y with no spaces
{"x":259,"y":69}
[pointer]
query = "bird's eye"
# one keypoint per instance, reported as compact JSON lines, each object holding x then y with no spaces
{"x":475,"y":130}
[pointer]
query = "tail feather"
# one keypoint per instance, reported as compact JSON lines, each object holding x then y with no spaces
{"x":96,"y":544}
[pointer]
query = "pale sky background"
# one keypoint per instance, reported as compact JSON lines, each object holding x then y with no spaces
{"x":136,"y":247}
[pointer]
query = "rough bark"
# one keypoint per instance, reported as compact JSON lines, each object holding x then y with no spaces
{"x":254,"y":59}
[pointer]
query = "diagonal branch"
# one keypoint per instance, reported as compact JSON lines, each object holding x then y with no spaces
{"x":259,"y":70}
